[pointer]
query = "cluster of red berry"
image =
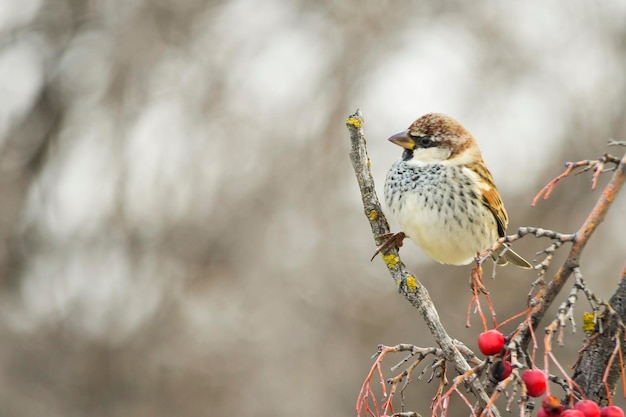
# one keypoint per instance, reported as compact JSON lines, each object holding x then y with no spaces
{"x":551,"y":407}
{"x":491,"y":342}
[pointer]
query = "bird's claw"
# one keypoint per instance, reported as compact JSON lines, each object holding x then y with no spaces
{"x":476,"y":280}
{"x":391,"y":240}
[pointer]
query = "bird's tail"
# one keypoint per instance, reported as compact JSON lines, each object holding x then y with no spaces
{"x":511,"y":256}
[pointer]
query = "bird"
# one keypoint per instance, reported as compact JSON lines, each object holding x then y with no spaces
{"x":443,"y":195}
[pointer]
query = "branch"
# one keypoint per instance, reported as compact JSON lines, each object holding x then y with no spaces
{"x":582,"y":236}
{"x":409,"y":286}
{"x":594,"y":360}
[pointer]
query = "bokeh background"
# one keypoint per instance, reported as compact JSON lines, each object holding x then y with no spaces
{"x":181,"y":230}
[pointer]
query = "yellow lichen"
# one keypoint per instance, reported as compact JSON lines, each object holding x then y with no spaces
{"x":373,"y":215}
{"x":411,"y":283}
{"x":589,"y":322}
{"x":355,"y":121}
{"x":391,"y":260}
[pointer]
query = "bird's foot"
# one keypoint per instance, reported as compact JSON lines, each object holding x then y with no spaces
{"x":476,"y":280}
{"x":392,"y":240}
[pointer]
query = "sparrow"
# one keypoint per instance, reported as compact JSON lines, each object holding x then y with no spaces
{"x":443,"y":195}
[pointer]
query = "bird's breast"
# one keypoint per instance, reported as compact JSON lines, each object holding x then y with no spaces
{"x":441,"y":210}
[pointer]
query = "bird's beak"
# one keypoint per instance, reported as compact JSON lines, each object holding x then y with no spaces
{"x":403,"y":139}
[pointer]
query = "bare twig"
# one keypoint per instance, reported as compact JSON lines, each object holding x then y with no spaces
{"x":585,"y":165}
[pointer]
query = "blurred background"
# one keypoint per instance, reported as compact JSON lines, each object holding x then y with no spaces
{"x":181,"y":229}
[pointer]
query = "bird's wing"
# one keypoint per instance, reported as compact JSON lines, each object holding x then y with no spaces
{"x":491,"y":197}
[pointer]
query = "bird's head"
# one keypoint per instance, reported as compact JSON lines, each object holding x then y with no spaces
{"x":435,"y":138}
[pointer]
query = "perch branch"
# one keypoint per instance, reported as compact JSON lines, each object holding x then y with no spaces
{"x":409,"y":286}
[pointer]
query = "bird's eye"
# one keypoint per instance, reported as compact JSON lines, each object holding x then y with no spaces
{"x":423,"y":141}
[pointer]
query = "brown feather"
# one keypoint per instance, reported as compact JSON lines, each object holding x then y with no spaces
{"x":491,"y":197}
{"x":493,"y":201}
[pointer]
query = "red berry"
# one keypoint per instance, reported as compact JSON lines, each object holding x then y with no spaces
{"x":572,"y":412}
{"x":552,"y":405}
{"x":535,"y":381}
{"x":501,"y":370}
{"x":491,"y":342}
{"x":611,"y":411}
{"x":588,"y":407}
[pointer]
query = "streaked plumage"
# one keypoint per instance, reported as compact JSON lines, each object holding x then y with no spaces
{"x":442,"y":193}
